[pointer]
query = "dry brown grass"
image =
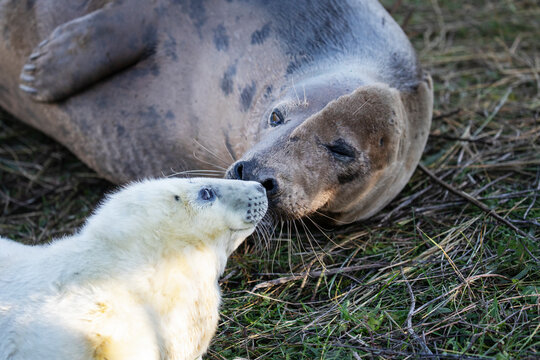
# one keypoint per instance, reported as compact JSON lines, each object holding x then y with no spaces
{"x":431,"y":276}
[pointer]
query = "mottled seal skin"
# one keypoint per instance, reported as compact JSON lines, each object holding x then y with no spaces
{"x":323,"y":102}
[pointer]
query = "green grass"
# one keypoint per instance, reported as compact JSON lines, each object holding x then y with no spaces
{"x":476,"y":291}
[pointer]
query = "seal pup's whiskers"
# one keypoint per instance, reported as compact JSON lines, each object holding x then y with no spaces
{"x":262,"y":236}
{"x":269,"y":227}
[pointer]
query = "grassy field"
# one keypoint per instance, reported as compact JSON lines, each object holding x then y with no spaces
{"x":433,"y":275}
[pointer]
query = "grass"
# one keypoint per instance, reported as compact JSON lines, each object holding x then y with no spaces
{"x":431,"y":276}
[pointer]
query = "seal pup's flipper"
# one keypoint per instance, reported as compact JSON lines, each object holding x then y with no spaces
{"x":87,"y":49}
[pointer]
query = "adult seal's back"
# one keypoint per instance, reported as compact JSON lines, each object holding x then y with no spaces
{"x":323,"y":102}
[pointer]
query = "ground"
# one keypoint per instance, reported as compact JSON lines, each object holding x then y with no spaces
{"x":431,"y":276}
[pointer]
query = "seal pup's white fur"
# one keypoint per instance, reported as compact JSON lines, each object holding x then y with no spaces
{"x":139,"y":280}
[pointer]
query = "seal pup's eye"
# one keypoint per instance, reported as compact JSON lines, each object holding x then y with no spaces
{"x":276,"y":118}
{"x":207,"y":194}
{"x":176,"y":197}
{"x":341,"y":151}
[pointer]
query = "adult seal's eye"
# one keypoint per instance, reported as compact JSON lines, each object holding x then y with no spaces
{"x":341,"y":151}
{"x":207,"y":194}
{"x":276,"y":118}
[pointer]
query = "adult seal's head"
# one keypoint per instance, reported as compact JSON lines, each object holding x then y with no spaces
{"x":337,"y":152}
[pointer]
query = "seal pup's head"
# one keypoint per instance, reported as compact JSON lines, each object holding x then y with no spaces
{"x":338,"y":148}
{"x":172,"y":213}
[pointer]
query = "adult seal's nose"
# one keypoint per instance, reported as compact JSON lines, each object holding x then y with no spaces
{"x":249,"y":171}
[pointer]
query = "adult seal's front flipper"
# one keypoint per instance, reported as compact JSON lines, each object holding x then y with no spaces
{"x":87,"y":49}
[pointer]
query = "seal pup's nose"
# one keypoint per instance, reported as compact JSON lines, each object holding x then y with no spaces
{"x":261,"y":189}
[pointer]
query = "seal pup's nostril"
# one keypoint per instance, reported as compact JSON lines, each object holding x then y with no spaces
{"x":271,"y":186}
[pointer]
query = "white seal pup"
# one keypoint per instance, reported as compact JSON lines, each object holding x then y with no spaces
{"x":138,"y":281}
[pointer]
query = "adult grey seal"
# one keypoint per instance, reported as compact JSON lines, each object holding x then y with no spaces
{"x":323,"y":102}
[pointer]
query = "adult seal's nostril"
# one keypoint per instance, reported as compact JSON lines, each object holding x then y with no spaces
{"x":271,"y":186}
{"x":242,"y":170}
{"x":237,"y":172}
